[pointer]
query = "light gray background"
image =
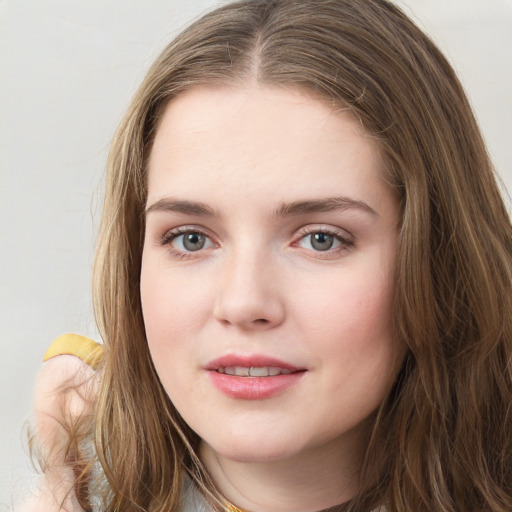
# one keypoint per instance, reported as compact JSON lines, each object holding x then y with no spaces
{"x":67,"y":71}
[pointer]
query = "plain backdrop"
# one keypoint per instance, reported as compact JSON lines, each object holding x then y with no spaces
{"x":67,"y":71}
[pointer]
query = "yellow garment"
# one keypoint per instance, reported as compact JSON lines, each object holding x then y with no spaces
{"x":84,"y":348}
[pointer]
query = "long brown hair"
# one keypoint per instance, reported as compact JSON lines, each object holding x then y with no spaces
{"x":442,"y":440}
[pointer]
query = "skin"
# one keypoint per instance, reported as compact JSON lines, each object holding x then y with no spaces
{"x":259,"y":285}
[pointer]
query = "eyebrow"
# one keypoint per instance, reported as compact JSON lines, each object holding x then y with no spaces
{"x":180,"y":206}
{"x":328,"y":204}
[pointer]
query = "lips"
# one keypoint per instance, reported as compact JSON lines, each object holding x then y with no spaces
{"x":252,"y":377}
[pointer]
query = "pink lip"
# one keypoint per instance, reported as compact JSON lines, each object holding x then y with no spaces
{"x":252,"y":388}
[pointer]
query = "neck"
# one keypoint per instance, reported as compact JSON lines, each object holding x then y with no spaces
{"x":307,"y":482}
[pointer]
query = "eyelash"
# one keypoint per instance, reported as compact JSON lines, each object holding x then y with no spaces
{"x":173,"y":234}
{"x":346,"y":242}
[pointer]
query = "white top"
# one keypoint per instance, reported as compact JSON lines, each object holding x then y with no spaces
{"x":193,"y":501}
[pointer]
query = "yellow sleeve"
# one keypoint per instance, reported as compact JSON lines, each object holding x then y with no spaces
{"x":84,"y":348}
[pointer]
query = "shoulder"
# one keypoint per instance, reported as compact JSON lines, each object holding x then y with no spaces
{"x":64,"y":394}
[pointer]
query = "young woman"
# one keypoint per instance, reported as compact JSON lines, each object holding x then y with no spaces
{"x":302,"y":282}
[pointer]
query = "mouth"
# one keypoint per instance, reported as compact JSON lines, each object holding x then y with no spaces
{"x":253,"y":371}
{"x":253,"y":377}
{"x":251,"y":366}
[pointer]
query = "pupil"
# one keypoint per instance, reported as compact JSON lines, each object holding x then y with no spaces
{"x":193,"y":241}
{"x":321,"y":241}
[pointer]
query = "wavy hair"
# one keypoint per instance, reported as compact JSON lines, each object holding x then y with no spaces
{"x":442,"y":439}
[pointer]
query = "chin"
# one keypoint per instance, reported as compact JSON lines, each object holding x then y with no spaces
{"x":254,"y":451}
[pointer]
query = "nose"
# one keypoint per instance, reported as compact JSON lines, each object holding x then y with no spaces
{"x":248,"y":293}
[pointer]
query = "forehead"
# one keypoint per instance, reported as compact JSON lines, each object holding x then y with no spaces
{"x":255,"y":110}
{"x":260,"y":139}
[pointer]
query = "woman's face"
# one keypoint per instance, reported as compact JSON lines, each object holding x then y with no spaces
{"x":267,"y":272}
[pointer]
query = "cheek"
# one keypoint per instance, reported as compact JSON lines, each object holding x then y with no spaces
{"x":355,"y":311}
{"x":172,"y":305}
{"x":350,"y":336}
{"x":167,"y":319}
{"x":166,"y":325}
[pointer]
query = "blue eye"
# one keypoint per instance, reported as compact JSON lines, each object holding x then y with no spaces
{"x":324,"y":241}
{"x":186,"y":240}
{"x":192,"y":241}
{"x":321,"y":241}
